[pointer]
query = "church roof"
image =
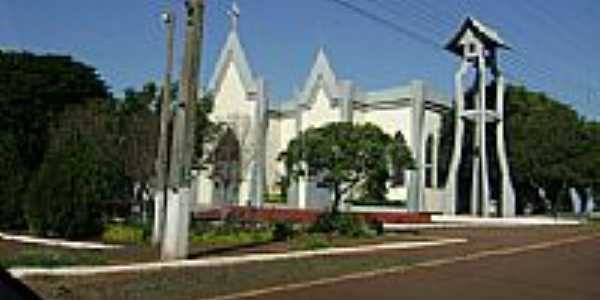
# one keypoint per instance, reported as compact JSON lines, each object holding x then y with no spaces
{"x":486,"y":34}
{"x":321,"y":75}
{"x":402,"y":95}
{"x":233,"y":52}
{"x":398,"y":92}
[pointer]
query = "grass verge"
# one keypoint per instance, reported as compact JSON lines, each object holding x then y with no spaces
{"x":49,"y":259}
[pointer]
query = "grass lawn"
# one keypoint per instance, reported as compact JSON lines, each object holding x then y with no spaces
{"x":14,"y":254}
{"x":197,"y":283}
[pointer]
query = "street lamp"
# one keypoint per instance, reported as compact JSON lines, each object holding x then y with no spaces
{"x":162,"y":162}
{"x":167,"y":17}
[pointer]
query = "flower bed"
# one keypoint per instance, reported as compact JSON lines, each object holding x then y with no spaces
{"x":306,"y":216}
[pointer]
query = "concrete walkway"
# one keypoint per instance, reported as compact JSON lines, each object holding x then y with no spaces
{"x":57,"y":242}
{"x":451,"y":222}
{"x":225,"y":261}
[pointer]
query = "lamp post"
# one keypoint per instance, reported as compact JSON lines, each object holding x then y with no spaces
{"x":162,"y":161}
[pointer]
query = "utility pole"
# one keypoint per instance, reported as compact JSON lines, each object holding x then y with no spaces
{"x":162,"y":161}
{"x":175,"y":242}
{"x":191,"y":76}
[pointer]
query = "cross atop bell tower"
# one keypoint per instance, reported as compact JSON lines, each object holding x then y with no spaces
{"x":477,"y":46}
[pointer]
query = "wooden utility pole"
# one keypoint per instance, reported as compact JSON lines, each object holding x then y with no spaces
{"x":162,"y":161}
{"x":183,"y":129}
{"x":182,"y":146}
{"x":194,"y":46}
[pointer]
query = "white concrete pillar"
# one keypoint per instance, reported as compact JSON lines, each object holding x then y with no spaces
{"x":475,"y":183}
{"x":434,"y":160}
{"x":485,"y":198}
{"x":451,"y":189}
{"x":303,"y":186}
{"x":159,"y":217}
{"x":175,"y":241}
{"x":261,"y":140}
{"x":416,"y":181}
{"x":507,"y":201}
{"x":246,"y":186}
{"x":204,"y":195}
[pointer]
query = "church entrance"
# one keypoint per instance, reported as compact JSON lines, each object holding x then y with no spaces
{"x":226,"y":173}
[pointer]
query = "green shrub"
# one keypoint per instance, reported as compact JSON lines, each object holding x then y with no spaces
{"x":234,"y":238}
{"x":377,"y":226}
{"x":342,"y":224}
{"x":313,"y":242}
{"x":124,"y":234}
{"x":283,"y":231}
{"x":275,"y":198}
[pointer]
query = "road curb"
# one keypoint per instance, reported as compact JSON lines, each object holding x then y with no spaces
{"x":226,"y":260}
{"x":57,"y":242}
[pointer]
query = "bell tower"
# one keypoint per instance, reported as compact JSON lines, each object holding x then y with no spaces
{"x":477,"y":46}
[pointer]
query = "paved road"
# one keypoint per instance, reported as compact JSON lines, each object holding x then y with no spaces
{"x":565,"y":272}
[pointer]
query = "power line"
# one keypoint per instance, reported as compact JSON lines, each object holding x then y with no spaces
{"x":391,"y":25}
{"x":540,"y":72}
{"x":518,"y":53}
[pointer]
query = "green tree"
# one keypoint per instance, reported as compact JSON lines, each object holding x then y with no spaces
{"x":544,"y":140}
{"x":80,"y":172}
{"x":34,"y":91}
{"x":207,"y":131}
{"x":12,"y":183}
{"x":137,"y":128}
{"x":345,"y":156}
{"x":586,"y":160}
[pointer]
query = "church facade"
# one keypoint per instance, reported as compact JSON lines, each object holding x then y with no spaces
{"x":257,"y":130}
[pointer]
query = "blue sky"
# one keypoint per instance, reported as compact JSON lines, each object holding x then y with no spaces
{"x":555,"y":41}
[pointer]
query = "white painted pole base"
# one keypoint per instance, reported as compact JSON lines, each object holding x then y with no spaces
{"x":159,"y":217}
{"x":175,"y":241}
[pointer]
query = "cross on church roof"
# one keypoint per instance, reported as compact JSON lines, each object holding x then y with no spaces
{"x":234,"y":15}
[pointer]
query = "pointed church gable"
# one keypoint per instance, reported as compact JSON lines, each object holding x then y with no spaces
{"x":233,"y":54}
{"x":321,"y":76}
{"x":231,"y":98}
{"x":321,"y":111}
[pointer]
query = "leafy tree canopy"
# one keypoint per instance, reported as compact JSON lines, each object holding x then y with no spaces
{"x":35,"y":89}
{"x":549,"y":145}
{"x":79,"y":172}
{"x":345,"y":156}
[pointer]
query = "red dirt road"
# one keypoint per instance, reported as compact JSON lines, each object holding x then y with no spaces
{"x":569,"y":271}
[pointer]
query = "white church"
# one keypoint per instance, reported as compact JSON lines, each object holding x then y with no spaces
{"x":258,"y":129}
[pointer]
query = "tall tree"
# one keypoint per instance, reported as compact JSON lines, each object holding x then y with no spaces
{"x":345,"y":156}
{"x":34,"y":91}
{"x":138,"y":129}
{"x":544,"y":139}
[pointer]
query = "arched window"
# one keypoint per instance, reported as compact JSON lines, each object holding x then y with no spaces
{"x":398,"y":179}
{"x":226,"y":167}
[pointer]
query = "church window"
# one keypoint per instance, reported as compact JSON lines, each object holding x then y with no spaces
{"x":429,"y":161}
